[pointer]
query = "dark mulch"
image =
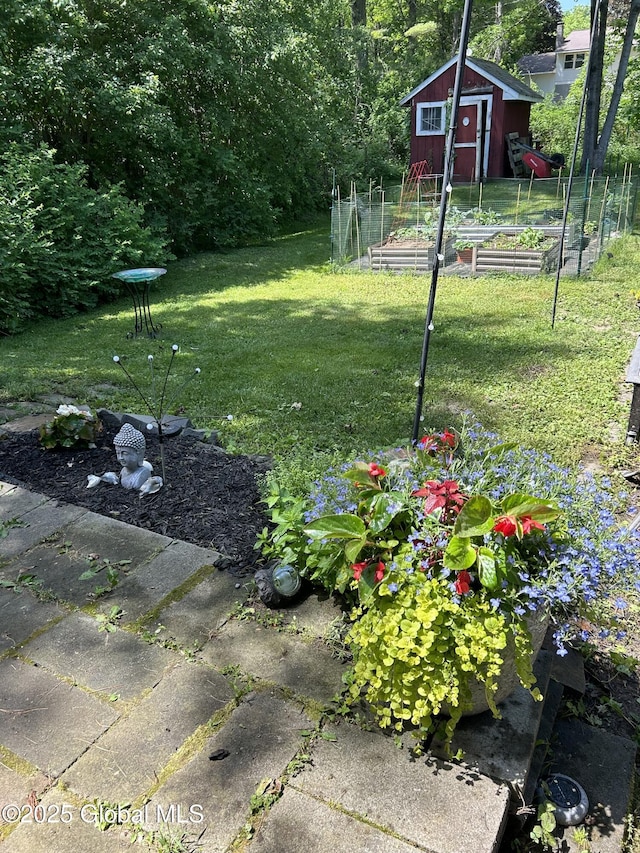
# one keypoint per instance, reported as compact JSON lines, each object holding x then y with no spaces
{"x":210,"y":498}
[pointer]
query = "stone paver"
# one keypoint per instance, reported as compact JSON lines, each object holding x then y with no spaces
{"x":127,"y":760}
{"x":108,"y":662}
{"x":39,"y":523}
{"x":65,"y":827}
{"x":297,"y":822}
{"x":502,"y":749}
{"x":428,"y":802}
{"x":15,"y":501}
{"x":313,"y":615}
{"x":15,"y":787}
{"x":603,"y":764}
{"x":22,"y":613}
{"x":144,"y":588}
{"x":114,"y":540}
{"x":59,"y":572}
{"x":26,"y":423}
{"x":191,"y":620}
{"x":47,"y":721}
{"x":276,"y":656}
{"x":261,"y":737}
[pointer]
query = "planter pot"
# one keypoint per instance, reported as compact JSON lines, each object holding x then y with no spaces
{"x":508,"y":680}
{"x":465,"y":256}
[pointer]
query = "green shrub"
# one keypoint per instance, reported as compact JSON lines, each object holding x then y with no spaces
{"x":71,"y":427}
{"x":60,"y":240}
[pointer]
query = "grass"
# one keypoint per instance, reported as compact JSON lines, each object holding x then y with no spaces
{"x":315,"y":365}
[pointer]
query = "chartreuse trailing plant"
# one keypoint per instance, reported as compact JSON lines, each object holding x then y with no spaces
{"x":71,"y":427}
{"x":452,"y":554}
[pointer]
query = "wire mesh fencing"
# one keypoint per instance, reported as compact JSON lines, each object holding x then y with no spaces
{"x":506,"y":225}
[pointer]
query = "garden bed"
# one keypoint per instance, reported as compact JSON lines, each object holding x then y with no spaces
{"x":404,"y":255}
{"x":504,"y":253}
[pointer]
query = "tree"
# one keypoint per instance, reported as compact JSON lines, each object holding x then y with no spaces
{"x":596,"y":141}
{"x":607,"y":128}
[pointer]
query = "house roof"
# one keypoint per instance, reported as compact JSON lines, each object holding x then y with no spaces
{"x":538,"y":63}
{"x":577,"y":41}
{"x":512,"y":88}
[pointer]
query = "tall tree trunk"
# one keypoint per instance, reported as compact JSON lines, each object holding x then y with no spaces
{"x":359,"y":13}
{"x":607,"y":128}
{"x":595,"y":70}
{"x":498,"y":51}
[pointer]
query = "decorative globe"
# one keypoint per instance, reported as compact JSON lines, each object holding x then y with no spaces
{"x":286,"y":580}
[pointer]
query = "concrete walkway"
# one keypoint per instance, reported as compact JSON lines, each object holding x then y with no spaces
{"x":170,"y":708}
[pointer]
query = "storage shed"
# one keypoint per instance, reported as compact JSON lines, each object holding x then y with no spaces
{"x":493,"y":104}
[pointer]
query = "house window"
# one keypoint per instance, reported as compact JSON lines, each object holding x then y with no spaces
{"x":574,"y":60}
{"x":430,"y":119}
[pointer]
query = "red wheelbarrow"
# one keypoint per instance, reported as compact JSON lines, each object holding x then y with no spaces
{"x":539,"y":163}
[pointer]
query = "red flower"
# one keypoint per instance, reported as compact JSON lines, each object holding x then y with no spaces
{"x":379,"y":571}
{"x":358,"y":569}
{"x":376,"y":470}
{"x":528,"y":524}
{"x":428,"y":443}
{"x":448,"y":438}
{"x":509,"y":525}
{"x":463,"y":583}
{"x":506,"y":524}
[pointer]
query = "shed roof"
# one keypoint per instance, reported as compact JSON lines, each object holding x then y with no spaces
{"x":512,"y":88}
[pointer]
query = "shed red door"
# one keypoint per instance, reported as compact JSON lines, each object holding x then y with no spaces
{"x":464,"y":168}
{"x":472,"y":139}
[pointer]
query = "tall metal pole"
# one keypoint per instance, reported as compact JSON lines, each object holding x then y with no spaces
{"x":574,"y":153}
{"x":444,"y":197}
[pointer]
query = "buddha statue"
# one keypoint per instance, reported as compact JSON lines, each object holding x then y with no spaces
{"x":130,"y":447}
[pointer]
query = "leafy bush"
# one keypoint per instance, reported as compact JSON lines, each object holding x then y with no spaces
{"x":71,"y":427}
{"x":60,"y":240}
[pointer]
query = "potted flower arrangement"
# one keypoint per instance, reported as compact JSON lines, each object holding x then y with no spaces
{"x":453,"y":555}
{"x":464,"y":250}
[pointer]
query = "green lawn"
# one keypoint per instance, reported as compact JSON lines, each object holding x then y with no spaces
{"x":272,"y":326}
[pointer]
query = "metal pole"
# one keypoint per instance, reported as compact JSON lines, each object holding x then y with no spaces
{"x":571,"y":171}
{"x":446,"y":188}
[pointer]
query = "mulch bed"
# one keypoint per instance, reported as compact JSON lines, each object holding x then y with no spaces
{"x":210,"y":498}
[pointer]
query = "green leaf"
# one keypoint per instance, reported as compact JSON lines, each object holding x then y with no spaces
{"x":353,"y":547}
{"x":475,"y":518}
{"x":487,"y":568}
{"x":460,"y":554}
{"x":499,"y":449}
{"x":519,"y":505}
{"x":85,"y":576}
{"x":367,"y":584}
{"x":385,"y":507}
{"x":343,"y":526}
{"x":360,"y":475}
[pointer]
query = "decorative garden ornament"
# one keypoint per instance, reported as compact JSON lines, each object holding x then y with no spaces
{"x":130,"y":447}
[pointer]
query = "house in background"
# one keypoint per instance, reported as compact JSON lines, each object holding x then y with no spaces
{"x":493,"y":104}
{"x":553,"y":73}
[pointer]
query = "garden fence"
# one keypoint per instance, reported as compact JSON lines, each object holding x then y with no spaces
{"x":507,"y":225}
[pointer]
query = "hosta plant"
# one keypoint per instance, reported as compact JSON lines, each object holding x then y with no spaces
{"x":452,"y":553}
{"x":71,"y":427}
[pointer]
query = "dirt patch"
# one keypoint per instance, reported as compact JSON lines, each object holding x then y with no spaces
{"x":210,"y":498}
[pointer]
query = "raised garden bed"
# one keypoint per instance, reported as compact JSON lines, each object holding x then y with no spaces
{"x":504,"y":252}
{"x":407,"y":255}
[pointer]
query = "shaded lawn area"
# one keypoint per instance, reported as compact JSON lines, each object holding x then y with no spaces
{"x":272,"y":326}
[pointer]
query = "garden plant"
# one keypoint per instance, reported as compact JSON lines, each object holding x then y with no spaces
{"x":454,"y":554}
